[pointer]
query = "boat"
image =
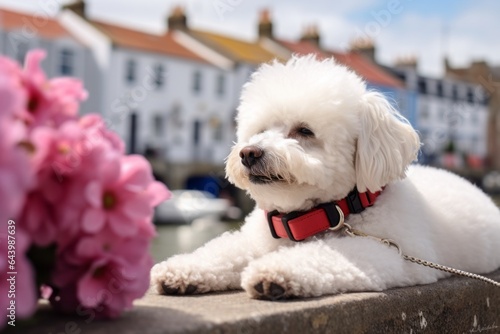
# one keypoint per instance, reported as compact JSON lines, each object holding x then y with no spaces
{"x":185,"y":206}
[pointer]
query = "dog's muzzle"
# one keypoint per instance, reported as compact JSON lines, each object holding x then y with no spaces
{"x":250,"y":155}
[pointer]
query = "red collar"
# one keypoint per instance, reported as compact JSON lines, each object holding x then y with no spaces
{"x":298,"y":225}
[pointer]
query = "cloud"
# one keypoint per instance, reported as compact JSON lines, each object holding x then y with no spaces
{"x":471,"y":34}
{"x":474,"y":34}
{"x":413,"y":35}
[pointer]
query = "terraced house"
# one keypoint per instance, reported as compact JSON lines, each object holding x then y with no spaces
{"x":173,"y":95}
{"x":67,"y":55}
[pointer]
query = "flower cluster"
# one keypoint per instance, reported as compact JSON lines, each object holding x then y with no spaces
{"x":82,"y":208}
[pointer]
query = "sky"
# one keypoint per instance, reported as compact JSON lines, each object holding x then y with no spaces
{"x":464,"y":30}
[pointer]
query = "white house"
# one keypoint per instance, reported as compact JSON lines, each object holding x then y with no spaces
{"x":66,"y":55}
{"x":451,"y":114}
{"x":173,"y":93}
{"x":157,"y":94}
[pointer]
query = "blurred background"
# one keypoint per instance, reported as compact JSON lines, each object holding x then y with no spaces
{"x":167,"y":74}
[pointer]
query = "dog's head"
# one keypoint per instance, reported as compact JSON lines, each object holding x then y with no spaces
{"x":309,"y":132}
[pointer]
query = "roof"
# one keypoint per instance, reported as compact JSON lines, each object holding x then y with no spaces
{"x":367,"y":69}
{"x":48,"y":28}
{"x":363,"y":66}
{"x":129,"y":38}
{"x":304,"y":48}
{"x":235,"y":49}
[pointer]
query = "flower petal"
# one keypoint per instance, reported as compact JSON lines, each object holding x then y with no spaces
{"x":122,"y":226}
{"x":93,"y":194}
{"x":158,"y":192}
{"x":138,"y":208}
{"x":93,"y":220}
{"x":136,"y":172}
{"x":90,"y":288}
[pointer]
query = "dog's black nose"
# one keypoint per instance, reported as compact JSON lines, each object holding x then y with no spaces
{"x":250,"y":154}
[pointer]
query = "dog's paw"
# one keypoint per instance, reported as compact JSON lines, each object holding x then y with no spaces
{"x":269,"y":285}
{"x":270,"y":291}
{"x":169,"y":280}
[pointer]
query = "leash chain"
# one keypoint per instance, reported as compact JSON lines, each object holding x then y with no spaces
{"x":353,"y":233}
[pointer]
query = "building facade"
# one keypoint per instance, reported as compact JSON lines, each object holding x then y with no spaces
{"x":452,"y":117}
{"x":173,"y":95}
{"x":66,"y":55}
{"x":488,"y":77}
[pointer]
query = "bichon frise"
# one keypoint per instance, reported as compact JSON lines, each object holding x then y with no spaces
{"x":314,"y":148}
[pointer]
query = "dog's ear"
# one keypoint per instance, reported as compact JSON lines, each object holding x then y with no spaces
{"x":386,"y":145}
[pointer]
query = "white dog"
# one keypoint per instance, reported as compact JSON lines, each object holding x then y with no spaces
{"x":309,"y":133}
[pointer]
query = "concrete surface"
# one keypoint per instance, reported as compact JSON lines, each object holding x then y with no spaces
{"x":454,"y":305}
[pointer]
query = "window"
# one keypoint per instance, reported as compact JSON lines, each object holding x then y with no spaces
{"x":133,"y":130}
{"x":196,"y":132}
{"x":20,"y":51}
{"x":221,"y":85}
{"x":130,"y":71}
{"x":218,"y":128}
{"x":197,"y":82}
{"x":422,"y":86}
{"x":67,"y":62}
{"x":159,"y":75}
{"x":486,"y":99}
{"x":470,"y":95}
{"x":439,"y":89}
{"x":454,"y":93}
{"x":158,"y":125}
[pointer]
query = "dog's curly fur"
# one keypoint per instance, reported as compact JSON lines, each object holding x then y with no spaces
{"x":320,"y":133}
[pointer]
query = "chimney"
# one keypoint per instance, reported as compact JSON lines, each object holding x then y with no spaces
{"x":447,"y":66}
{"x":177,"y":19}
{"x":265,"y":24}
{"x":311,"y":34}
{"x":78,"y":7}
{"x":364,"y":46}
{"x":406,"y":62}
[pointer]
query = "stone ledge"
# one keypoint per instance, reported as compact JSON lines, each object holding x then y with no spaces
{"x":454,"y":305}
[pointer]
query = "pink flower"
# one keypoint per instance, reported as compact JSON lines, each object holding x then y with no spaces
{"x":12,"y":95}
{"x":110,"y":271}
{"x":111,"y":284}
{"x":61,"y":149}
{"x":38,"y":220}
{"x":50,"y":102}
{"x":122,"y":194}
{"x":70,"y":190}
{"x":65,"y":158}
{"x":24,"y":293}
{"x":105,"y":289}
{"x":107,"y":244}
{"x":16,"y":177}
{"x":97,"y":133}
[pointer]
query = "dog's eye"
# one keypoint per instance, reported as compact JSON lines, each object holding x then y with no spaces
{"x":305,"y":132}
